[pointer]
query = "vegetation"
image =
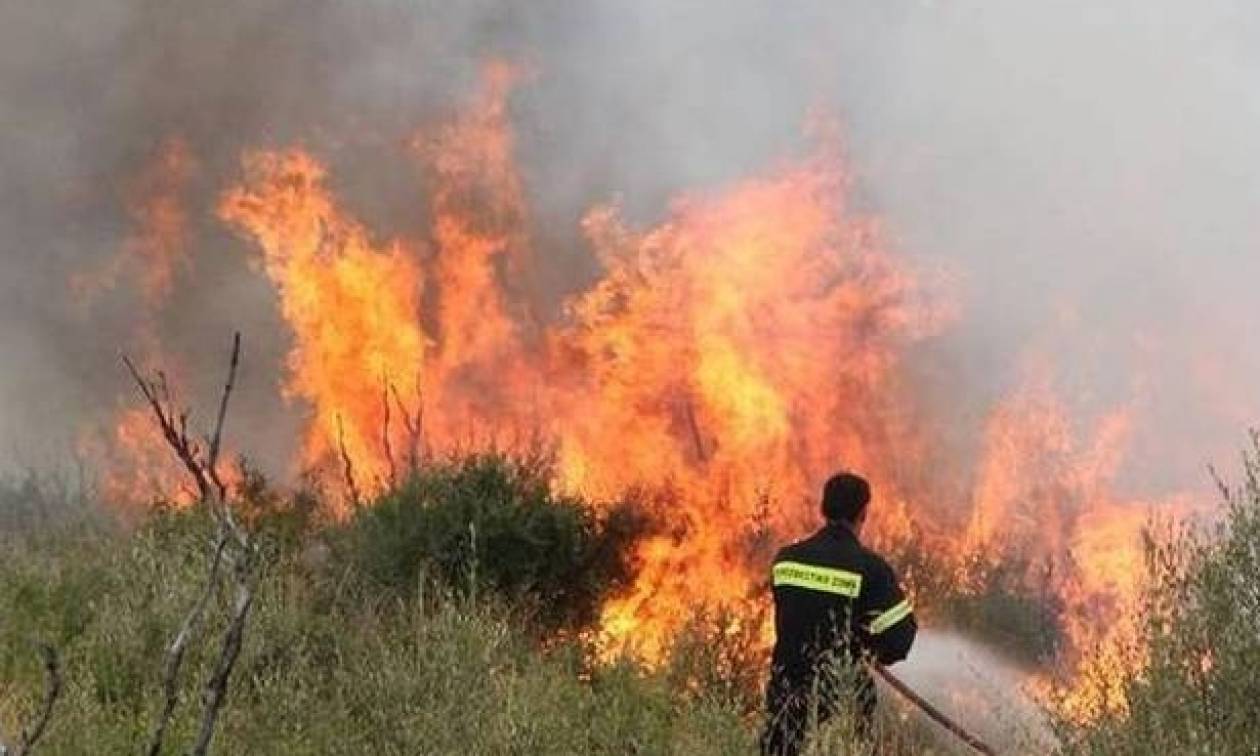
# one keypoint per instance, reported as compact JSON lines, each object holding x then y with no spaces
{"x":999,"y":598}
{"x":397,"y":631}
{"x":492,"y":523}
{"x":340,"y":656}
{"x":31,"y":503}
{"x":451,"y":615}
{"x":1192,"y":688}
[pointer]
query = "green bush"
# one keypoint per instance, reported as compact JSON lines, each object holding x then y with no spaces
{"x":489,"y":522}
{"x":331,"y":664}
{"x":1194,"y":687}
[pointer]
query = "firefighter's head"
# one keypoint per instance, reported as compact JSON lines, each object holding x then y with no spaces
{"x":844,"y":500}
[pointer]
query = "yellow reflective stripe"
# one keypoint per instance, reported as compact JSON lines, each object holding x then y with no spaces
{"x":825,"y":579}
{"x":890,"y":617}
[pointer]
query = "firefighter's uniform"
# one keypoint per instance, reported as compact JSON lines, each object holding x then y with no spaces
{"x":832,"y":595}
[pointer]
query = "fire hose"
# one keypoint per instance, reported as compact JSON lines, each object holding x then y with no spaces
{"x":935,"y":714}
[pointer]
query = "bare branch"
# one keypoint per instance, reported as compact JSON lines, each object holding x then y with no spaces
{"x":347,"y":465}
{"x":385,"y":443}
{"x":175,"y":652}
{"x":413,"y":423}
{"x":212,"y":463}
{"x":52,"y":690}
{"x":174,"y":427}
{"x":216,"y":688}
{"x":213,"y":494}
{"x":694,"y":426}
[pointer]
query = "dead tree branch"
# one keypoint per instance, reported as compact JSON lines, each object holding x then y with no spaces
{"x":413,"y":423}
{"x":212,"y":463}
{"x":175,"y":652}
{"x":52,"y":690}
{"x":216,"y":688}
{"x":385,"y":441}
{"x":232,"y":545}
{"x":172,"y":424}
{"x":347,"y":465}
{"x":693,"y":425}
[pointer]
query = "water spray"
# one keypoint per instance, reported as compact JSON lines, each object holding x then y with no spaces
{"x":933,"y":713}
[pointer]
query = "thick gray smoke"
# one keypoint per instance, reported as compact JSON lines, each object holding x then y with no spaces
{"x":1089,"y":171}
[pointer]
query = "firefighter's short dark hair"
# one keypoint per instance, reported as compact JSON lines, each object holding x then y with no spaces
{"x":845,"y":497}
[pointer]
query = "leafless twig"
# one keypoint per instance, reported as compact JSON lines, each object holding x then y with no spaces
{"x":347,"y":465}
{"x":212,"y":463}
{"x":173,"y":424}
{"x":52,"y":690}
{"x":385,"y":442}
{"x":216,"y":688}
{"x":694,"y":426}
{"x":413,"y":423}
{"x":213,"y":495}
{"x":175,"y":652}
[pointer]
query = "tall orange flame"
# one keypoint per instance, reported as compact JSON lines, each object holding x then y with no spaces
{"x":157,"y":249}
{"x":729,"y":358}
{"x":352,"y":306}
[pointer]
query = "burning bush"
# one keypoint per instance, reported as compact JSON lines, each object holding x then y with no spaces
{"x":1189,"y":684}
{"x":491,"y":522}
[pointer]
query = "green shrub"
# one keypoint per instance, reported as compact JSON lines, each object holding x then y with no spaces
{"x":1194,"y":687}
{"x":330,"y":663}
{"x":488,"y":522}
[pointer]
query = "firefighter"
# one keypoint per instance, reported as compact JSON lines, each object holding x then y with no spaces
{"x":837,"y":605}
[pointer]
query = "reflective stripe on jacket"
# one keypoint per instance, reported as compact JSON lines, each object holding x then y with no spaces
{"x":832,"y":592}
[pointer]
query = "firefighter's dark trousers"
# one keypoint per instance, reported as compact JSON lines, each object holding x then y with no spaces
{"x":794,"y":706}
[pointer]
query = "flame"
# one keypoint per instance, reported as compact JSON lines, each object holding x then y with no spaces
{"x":157,"y":249}
{"x":728,"y":358}
{"x":352,"y":307}
{"x":134,"y":461}
{"x":698,"y":361}
{"x":479,"y":214}
{"x":135,"y":467}
{"x":695,"y":365}
{"x":1047,"y":492}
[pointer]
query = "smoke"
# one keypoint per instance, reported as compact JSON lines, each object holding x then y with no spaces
{"x":1088,"y":173}
{"x":970,"y":684}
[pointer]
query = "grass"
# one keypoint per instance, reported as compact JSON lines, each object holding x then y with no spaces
{"x":399,"y":631}
{"x":343,"y":655}
{"x":392,"y":632}
{"x":1189,"y":682}
{"x":331,"y":664}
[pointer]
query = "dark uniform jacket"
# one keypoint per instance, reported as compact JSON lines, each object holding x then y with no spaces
{"x":832,"y":593}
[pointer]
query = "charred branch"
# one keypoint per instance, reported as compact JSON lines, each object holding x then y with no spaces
{"x":216,"y":688}
{"x":212,"y":463}
{"x":693,"y":425}
{"x":172,"y":423}
{"x":175,"y":652}
{"x":52,"y":691}
{"x":232,"y":545}
{"x":385,"y":441}
{"x":347,"y":466}
{"x":413,"y":424}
